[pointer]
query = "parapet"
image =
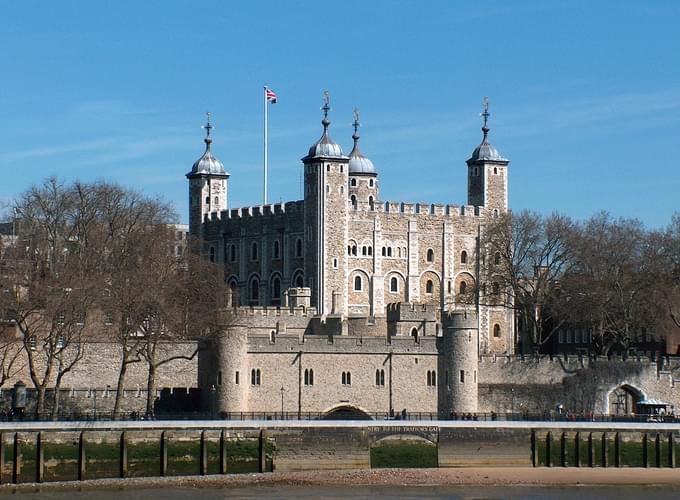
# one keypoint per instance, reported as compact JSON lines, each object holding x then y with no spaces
{"x":460,"y":320}
{"x":397,"y":207}
{"x":411,"y":311}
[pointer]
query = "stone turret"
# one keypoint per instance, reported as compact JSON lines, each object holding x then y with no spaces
{"x":460,"y":363}
{"x":230,"y":374}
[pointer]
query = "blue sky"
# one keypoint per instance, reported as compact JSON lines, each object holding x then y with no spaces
{"x":585,"y":96}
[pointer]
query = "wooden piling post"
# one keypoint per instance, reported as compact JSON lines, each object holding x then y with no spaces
{"x":39,"y":458}
{"x":577,"y":450}
{"x":591,"y":462}
{"x":657,"y":451}
{"x":262,"y":453}
{"x":81,"y":456}
{"x":123,"y":455}
{"x":645,"y":453}
{"x":671,"y":450}
{"x":563,"y":449}
{"x":533,"y":448}
{"x":223,"y":453}
{"x":2,"y":457}
{"x":548,"y":449}
{"x":605,"y":446}
{"x":164,"y":455}
{"x":617,"y":450}
{"x":203,"y":459}
{"x":16,"y":463}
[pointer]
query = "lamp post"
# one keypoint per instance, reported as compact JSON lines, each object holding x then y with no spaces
{"x":213,"y":401}
{"x":282,"y":391}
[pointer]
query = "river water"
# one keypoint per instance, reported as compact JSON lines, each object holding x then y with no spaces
{"x":372,"y":492}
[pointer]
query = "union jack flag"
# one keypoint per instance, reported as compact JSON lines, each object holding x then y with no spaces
{"x":270,"y":95}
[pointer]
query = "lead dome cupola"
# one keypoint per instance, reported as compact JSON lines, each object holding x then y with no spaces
{"x":325,"y":146}
{"x":486,"y":151}
{"x":358,"y":163}
{"x":207,"y":164}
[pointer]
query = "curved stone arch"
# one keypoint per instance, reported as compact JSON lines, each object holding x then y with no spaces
{"x":297,"y":273}
{"x":430,"y":270}
{"x":470,"y":283}
{"x":249,"y":289}
{"x":427,"y":295}
{"x":634,"y":391}
{"x":398,"y":296}
{"x":425,"y":435}
{"x":270,"y":284}
{"x":349,"y":407}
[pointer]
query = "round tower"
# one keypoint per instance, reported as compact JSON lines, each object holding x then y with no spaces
{"x":460,"y":360}
{"x":231,"y":376}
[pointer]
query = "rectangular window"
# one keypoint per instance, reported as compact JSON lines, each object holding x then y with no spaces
{"x":219,"y":378}
{"x":462,"y":376}
{"x":237,"y":378}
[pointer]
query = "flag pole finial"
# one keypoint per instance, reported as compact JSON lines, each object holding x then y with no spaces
{"x":326,"y":108}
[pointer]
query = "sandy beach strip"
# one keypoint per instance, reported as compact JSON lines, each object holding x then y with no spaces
{"x":501,"y":476}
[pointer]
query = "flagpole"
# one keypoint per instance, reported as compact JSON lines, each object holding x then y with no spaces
{"x":264,"y":95}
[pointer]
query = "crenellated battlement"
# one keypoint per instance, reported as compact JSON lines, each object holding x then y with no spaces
{"x":435,"y":209}
{"x":270,"y":311}
{"x":291,"y":208}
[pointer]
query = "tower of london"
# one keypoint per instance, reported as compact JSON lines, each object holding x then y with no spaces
{"x":344,"y":301}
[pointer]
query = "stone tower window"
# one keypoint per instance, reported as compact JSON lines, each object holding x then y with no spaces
{"x":370,"y":203}
{"x":298,"y":247}
{"x":346,"y":378}
{"x":299,"y":281}
{"x":219,"y":377}
{"x":394,"y":284}
{"x":384,"y":251}
{"x":353,"y":183}
{"x":463,"y":257}
{"x":335,"y":263}
{"x":370,"y":182}
{"x":357,"y":284}
{"x":276,"y":250}
{"x":364,"y":250}
{"x":253,"y":251}
{"x":354,"y":202}
{"x":389,"y":251}
{"x":237,"y":378}
{"x":380,"y":378}
{"x":414,"y":334}
{"x":309,"y":376}
{"x":429,"y":287}
{"x":276,"y":290}
{"x":448,"y":284}
{"x":217,"y":200}
{"x":370,"y":250}
{"x":495,"y":171}
{"x":431,"y":378}
{"x":212,"y":254}
{"x":207,"y":200}
{"x":254,"y":291}
{"x":255,"y":377}
{"x":462,"y":376}
{"x":430,"y":255}
{"x":475,"y":171}
{"x":462,"y":289}
{"x":497,"y":330}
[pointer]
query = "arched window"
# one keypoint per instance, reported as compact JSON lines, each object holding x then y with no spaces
{"x":463,"y":257}
{"x":497,"y":330}
{"x":384,"y":252}
{"x":353,"y":199}
{"x":253,"y":251}
{"x":398,"y":251}
{"x":349,"y":378}
{"x":429,"y":378}
{"x":370,"y":250}
{"x":254,"y":291}
{"x":430,"y":255}
{"x":462,"y":289}
{"x":354,"y":250}
{"x":414,"y":333}
{"x":370,"y":203}
{"x":298,"y":247}
{"x":217,"y":200}
{"x":232,"y":253}
{"x":276,"y":250}
{"x":357,"y":284}
{"x":448,"y":286}
{"x":394,"y":284}
{"x":353,"y":182}
{"x":497,"y":258}
{"x":346,"y":378}
{"x":429,"y":287}
{"x":377,"y":377}
{"x":212,"y":254}
{"x":434,"y":378}
{"x":276,"y":290}
{"x":309,"y":376}
{"x":255,"y":377}
{"x":382,"y":377}
{"x":495,"y":171}
{"x":389,"y":251}
{"x":299,"y":281}
{"x":370,"y":182}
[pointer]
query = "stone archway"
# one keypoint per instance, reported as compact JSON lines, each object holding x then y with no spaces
{"x":346,"y":412}
{"x":623,"y":399}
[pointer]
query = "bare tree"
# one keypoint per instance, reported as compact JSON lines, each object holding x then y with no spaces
{"x":526,"y":255}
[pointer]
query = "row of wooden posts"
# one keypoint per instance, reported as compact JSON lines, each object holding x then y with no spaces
{"x":123,"y":456}
{"x":604,"y":460}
